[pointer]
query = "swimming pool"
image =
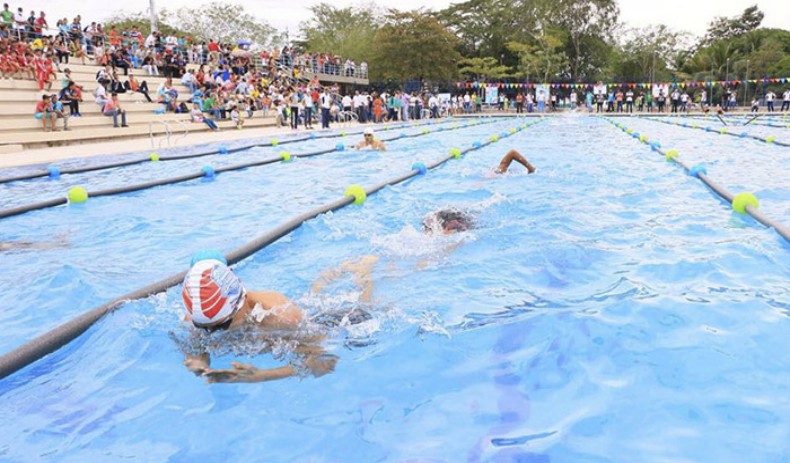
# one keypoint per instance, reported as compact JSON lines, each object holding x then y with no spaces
{"x":608,"y":308}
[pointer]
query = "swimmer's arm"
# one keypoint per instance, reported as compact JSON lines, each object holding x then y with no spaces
{"x":246,"y":373}
{"x":381,"y":146}
{"x":361,"y":270}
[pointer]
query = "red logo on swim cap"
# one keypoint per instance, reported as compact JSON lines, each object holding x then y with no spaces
{"x":211,"y":299}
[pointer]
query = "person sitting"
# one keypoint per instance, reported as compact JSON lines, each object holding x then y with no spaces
{"x":45,"y":113}
{"x":59,"y":112}
{"x":216,"y":301}
{"x":370,"y":142}
{"x":68,"y":96}
{"x":511,"y":156}
{"x":113,"y":109}
{"x":133,"y":85}
{"x":197,"y":116}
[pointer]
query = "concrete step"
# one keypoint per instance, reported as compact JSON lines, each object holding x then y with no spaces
{"x":27,"y":96}
{"x":88,"y":83}
{"x":28,"y":122}
{"x":17,"y":109}
{"x":32,"y":139}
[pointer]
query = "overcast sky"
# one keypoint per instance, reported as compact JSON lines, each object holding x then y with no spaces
{"x":685,"y":15}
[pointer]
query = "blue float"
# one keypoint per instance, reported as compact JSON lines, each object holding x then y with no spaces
{"x":420,"y":167}
{"x":208,"y":171}
{"x":207,"y":254}
{"x":698,"y":169}
{"x":223,"y":150}
{"x":54,"y":172}
{"x":477,"y":145}
{"x":340,"y":147}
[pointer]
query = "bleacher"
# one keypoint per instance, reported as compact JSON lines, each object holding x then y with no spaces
{"x":19,"y":130}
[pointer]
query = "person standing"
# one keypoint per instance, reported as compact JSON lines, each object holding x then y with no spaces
{"x":293,"y":100}
{"x":307,"y":101}
{"x":326,"y":105}
{"x":786,"y":100}
{"x":769,"y":101}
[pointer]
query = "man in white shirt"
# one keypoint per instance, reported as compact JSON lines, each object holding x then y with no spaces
{"x":101,"y":96}
{"x":347,"y":103}
{"x":433,"y":104}
{"x":326,"y":105}
{"x":20,"y":22}
{"x":769,"y":101}
{"x":786,"y":100}
{"x":467,"y":103}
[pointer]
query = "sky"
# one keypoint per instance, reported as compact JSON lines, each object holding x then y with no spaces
{"x":683,"y":15}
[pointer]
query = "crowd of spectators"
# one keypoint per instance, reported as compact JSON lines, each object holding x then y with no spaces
{"x":218,"y":80}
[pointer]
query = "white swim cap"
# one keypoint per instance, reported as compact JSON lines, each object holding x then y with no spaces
{"x":368,"y":131}
{"x":212,"y":293}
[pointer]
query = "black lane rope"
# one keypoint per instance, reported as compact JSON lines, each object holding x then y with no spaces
{"x":58,"y":337}
{"x":79,"y":195}
{"x":744,"y":203}
{"x":738,"y":120}
{"x":55,"y":172}
{"x":770,"y":140}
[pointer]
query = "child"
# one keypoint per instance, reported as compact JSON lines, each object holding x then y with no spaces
{"x":44,"y":111}
{"x":236,"y":116}
{"x":755,"y":105}
{"x":198,"y":116}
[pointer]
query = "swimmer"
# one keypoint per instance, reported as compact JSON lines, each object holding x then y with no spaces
{"x":214,"y":300}
{"x":511,"y":156}
{"x":447,"y":221}
{"x":371,"y":142}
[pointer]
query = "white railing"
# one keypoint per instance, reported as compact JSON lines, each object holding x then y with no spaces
{"x":168,"y":131}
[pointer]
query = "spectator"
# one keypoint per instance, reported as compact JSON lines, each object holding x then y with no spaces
{"x":133,"y":85}
{"x":45,"y":113}
{"x":112,"y":108}
{"x":69,"y":96}
{"x":59,"y":113}
{"x":198,"y":116}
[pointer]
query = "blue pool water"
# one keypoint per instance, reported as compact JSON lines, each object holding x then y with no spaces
{"x":607,"y":309}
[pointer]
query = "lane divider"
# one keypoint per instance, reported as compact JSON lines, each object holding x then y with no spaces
{"x":58,"y":337}
{"x":78,"y":195}
{"x":723,"y":131}
{"x":54,"y":172}
{"x":743,"y":203}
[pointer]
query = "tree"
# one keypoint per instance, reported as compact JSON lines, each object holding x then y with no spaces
{"x":545,"y":58}
{"x":414,"y":44}
{"x":728,"y":28}
{"x":226,"y":22}
{"x":347,"y":32}
{"x":142,"y":22}
{"x":647,"y":54}
{"x":588,"y":23}
{"x":483,"y":68}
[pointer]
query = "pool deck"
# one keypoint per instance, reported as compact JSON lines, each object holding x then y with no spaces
{"x":48,"y":155}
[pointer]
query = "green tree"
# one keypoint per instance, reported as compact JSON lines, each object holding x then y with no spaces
{"x":588,"y":24}
{"x":414,"y":44}
{"x":142,"y":22}
{"x":728,"y":28}
{"x":544,"y":60}
{"x":348,"y":32}
{"x":483,"y":68}
{"x":226,"y":22}
{"x":650,"y":54}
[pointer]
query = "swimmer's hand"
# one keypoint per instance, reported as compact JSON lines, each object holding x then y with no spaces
{"x":197,"y":364}
{"x":246,"y":373}
{"x":240,"y":373}
{"x":321,"y":364}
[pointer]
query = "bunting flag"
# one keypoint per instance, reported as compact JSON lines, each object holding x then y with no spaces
{"x":633,"y":85}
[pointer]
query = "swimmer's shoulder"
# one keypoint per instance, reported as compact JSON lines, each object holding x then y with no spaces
{"x":267,"y":299}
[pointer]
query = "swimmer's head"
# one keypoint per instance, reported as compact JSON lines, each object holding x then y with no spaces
{"x":368,"y":133}
{"x":212,"y":294}
{"x":448,"y":221}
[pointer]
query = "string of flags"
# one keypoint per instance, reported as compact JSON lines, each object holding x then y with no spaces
{"x":682,"y":84}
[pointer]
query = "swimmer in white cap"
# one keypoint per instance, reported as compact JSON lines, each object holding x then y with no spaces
{"x":371,"y":142}
{"x":215,"y":299}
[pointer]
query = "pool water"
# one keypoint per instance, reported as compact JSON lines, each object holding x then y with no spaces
{"x":608,"y":308}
